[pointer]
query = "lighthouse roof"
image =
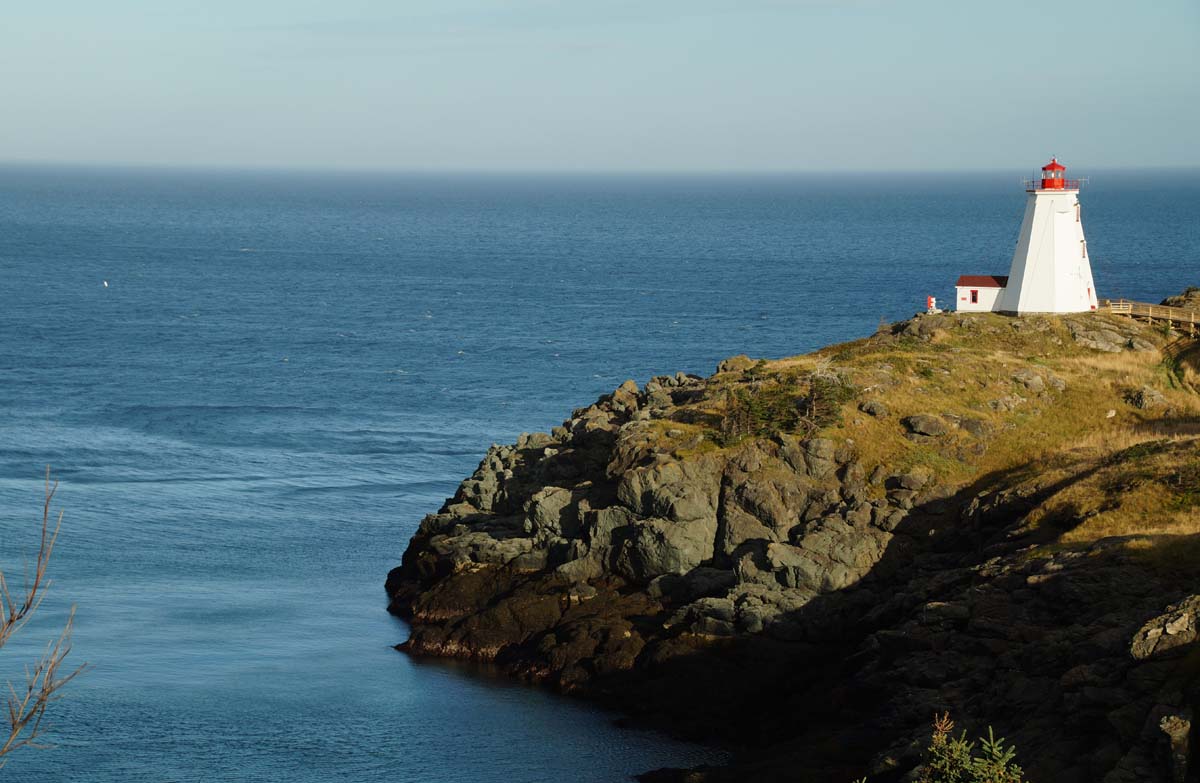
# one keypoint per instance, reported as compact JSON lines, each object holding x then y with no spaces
{"x":983,"y":281}
{"x":1054,"y":165}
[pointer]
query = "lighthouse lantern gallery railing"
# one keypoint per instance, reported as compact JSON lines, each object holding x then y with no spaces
{"x":1035,"y":183}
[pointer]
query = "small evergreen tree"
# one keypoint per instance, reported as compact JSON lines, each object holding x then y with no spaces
{"x":954,"y":760}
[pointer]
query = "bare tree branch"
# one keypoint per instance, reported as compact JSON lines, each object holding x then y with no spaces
{"x":25,"y":707}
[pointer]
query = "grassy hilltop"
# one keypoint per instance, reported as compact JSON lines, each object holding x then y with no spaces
{"x":1019,"y":399}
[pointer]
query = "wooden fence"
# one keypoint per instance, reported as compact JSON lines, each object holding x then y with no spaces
{"x":1177,"y":317}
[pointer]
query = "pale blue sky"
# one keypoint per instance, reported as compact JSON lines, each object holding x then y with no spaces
{"x":694,"y":85}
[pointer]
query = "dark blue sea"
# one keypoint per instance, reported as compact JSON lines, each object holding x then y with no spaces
{"x":287,"y":370}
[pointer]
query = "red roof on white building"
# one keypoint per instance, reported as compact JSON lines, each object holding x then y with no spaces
{"x":982,"y":281}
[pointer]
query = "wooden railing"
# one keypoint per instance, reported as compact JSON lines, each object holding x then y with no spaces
{"x":1177,"y":317}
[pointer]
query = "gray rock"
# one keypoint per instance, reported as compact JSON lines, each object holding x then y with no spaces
{"x":1009,"y":402}
{"x":829,"y":555}
{"x":762,"y":607}
{"x":711,"y":626}
{"x":913,"y":480}
{"x":853,"y":473}
{"x":736,"y":364}
{"x":925,"y":424}
{"x":552,"y":512}
{"x":904,"y":498}
{"x":887,"y":519}
{"x":580,"y":592}
{"x":625,"y":398}
{"x":1188,"y":299}
{"x":1030,"y":380}
{"x":739,"y":526}
{"x":680,"y":491}
{"x":1146,"y":398}
{"x":1178,"y":728}
{"x":822,"y":449}
{"x":874,"y":408}
{"x":854,"y":491}
{"x":1099,"y":339}
{"x":534,"y":440}
{"x":717,"y":608}
{"x":750,"y":566}
{"x":922,"y":327}
{"x":582,"y":569}
{"x":977,"y":427}
{"x":700,"y":582}
{"x":759,"y":500}
{"x":480,"y":547}
{"x":535,"y":560}
{"x":1138,"y":344}
{"x":658,"y":397}
{"x":662,"y":546}
{"x":820,"y":457}
{"x":1168,"y":633}
{"x":941,"y":611}
{"x":859,"y":515}
{"x":600,"y":524}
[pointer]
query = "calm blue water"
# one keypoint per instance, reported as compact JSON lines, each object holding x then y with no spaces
{"x":287,"y":370}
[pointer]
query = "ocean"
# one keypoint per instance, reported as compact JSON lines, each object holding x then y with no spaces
{"x":286,"y":370}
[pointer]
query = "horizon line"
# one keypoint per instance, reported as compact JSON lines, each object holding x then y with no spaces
{"x":283,"y":168}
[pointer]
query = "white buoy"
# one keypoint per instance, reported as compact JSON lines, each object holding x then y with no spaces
{"x":106,"y":284}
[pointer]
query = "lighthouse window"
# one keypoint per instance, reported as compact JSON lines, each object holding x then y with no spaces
{"x":974,"y":297}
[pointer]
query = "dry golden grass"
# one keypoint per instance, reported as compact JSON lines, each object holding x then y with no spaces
{"x":1178,"y":553}
{"x":1108,"y":440}
{"x":1117,"y":467}
{"x":1148,"y":487}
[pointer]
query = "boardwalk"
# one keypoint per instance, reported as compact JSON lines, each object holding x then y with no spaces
{"x":1177,"y":317}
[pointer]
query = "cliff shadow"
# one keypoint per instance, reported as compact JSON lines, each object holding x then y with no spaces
{"x":811,"y":698}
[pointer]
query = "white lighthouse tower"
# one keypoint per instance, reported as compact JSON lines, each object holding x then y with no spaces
{"x":1050,"y":270}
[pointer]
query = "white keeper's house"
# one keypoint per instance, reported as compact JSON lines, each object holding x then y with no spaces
{"x":1050,"y":271}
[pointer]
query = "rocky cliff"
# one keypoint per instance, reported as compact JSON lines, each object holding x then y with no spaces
{"x":806,"y":559}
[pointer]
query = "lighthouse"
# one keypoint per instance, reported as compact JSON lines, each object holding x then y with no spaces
{"x":1050,"y":271}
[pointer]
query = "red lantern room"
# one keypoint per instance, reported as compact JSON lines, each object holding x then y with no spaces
{"x":1052,"y":175}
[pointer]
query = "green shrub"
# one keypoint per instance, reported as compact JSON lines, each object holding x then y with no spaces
{"x":955,"y":760}
{"x":951,"y":760}
{"x":1184,"y":484}
{"x":782,"y":405}
{"x":1174,"y":372}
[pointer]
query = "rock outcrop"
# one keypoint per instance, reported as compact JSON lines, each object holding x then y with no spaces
{"x":886,"y":530}
{"x":1188,"y":300}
